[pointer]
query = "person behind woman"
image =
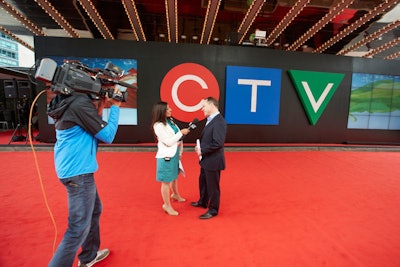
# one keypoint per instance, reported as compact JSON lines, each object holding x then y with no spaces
{"x":169,"y":151}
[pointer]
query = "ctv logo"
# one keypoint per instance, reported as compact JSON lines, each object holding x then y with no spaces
{"x":252,"y":94}
{"x":315,"y":90}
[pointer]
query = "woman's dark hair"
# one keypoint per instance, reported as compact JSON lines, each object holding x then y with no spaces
{"x":159,"y":111}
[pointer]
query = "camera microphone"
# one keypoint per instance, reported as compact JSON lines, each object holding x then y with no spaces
{"x":192,"y":125}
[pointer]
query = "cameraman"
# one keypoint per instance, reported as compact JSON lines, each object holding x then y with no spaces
{"x":79,"y":126}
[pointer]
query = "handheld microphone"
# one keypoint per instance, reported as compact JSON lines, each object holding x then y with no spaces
{"x":192,"y":125}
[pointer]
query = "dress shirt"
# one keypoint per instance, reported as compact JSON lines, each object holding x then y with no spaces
{"x":209,"y":118}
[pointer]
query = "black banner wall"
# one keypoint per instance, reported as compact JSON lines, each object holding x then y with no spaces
{"x":155,"y":60}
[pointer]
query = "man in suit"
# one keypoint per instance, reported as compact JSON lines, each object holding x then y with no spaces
{"x":212,"y":158}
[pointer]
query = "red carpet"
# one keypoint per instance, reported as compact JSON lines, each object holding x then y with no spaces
{"x":284,"y":209}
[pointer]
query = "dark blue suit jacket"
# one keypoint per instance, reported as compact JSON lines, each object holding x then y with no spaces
{"x":212,"y":144}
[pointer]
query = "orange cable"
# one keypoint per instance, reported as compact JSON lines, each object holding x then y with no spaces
{"x":38,"y":170}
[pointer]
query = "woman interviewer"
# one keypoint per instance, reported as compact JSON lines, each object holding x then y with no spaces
{"x":169,"y":151}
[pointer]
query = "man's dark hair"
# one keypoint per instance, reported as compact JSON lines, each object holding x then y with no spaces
{"x":212,"y":100}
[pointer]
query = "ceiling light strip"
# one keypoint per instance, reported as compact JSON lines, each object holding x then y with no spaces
{"x":333,"y":12}
{"x":130,"y":15}
{"x":133,"y":16}
{"x":370,"y":37}
{"x":167,"y":16}
{"x":22,"y":19}
{"x":176,"y":21}
{"x":285,"y":22}
{"x":393,"y":56}
{"x":383,"y":47}
{"x":57,"y":17}
{"x":373,"y":13}
{"x":209,"y":22}
{"x":171,"y":9}
{"x":94,"y":15}
{"x":249,"y":18}
{"x":16,"y":38}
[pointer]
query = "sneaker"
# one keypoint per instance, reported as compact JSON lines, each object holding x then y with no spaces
{"x":101,"y":255}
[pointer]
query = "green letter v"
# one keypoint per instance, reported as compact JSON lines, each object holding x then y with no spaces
{"x":315,"y":90}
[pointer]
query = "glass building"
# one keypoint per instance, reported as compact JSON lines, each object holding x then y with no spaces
{"x":8,"y":51}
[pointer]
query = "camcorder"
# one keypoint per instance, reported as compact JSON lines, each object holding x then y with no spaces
{"x":74,"y":76}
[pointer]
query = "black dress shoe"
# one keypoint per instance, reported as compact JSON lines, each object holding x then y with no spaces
{"x":198,"y":205}
{"x":206,"y":216}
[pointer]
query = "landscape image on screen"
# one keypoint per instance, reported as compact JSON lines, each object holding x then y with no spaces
{"x":374,"y":102}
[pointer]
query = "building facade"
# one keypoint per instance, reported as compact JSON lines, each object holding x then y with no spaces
{"x":8,"y":51}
